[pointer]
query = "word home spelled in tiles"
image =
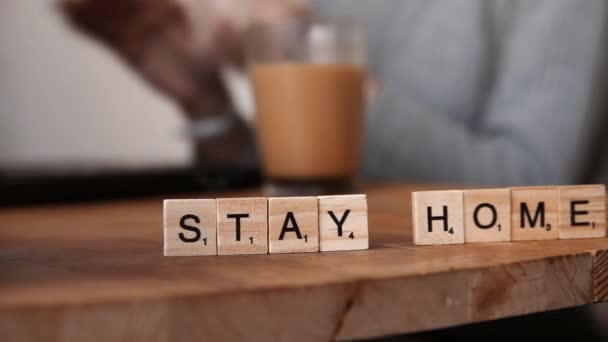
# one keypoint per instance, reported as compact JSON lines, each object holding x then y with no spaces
{"x":229,"y":226}
{"x":510,"y":214}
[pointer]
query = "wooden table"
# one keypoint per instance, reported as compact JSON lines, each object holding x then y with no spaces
{"x":74,"y":273}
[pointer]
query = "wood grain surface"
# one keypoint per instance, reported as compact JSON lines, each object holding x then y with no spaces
{"x":438,"y":217}
{"x":96,"y":272}
{"x":487,"y":215}
{"x":298,"y":233}
{"x":350,"y":211}
{"x":201,"y":217}
{"x":531,"y":199}
{"x":251,"y":236}
{"x":588,"y":202}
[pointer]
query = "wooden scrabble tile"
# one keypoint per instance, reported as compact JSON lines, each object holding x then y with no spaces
{"x":438,"y":217}
{"x":293,"y":224}
{"x":343,"y":223}
{"x":242,"y":226}
{"x":534,"y":213}
{"x":189,"y":227}
{"x":487,"y":215}
{"x":582,"y":211}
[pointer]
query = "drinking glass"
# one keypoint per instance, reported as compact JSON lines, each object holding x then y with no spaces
{"x":308,"y":81}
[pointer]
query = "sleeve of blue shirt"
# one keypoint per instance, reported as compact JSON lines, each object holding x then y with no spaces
{"x":535,"y":121}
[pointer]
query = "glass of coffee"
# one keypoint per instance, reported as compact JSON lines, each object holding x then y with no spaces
{"x":308,"y":83}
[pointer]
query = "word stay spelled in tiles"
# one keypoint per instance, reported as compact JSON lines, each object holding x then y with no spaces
{"x":229,"y":226}
{"x":512,"y":214}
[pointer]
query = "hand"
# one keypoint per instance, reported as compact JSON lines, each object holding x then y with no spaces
{"x":179,"y":45}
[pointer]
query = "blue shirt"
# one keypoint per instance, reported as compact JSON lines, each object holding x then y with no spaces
{"x":484,"y":92}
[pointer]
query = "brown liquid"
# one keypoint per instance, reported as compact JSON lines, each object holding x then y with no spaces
{"x":309,"y":119}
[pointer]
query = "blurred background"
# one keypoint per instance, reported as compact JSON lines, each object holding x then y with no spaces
{"x":95,"y":95}
{"x":71,"y":109}
{"x":68,"y":101}
{"x":114,"y":99}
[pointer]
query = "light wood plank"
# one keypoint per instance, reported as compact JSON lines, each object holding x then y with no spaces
{"x":534,"y":213}
{"x":487,"y":215}
{"x":242,"y":226}
{"x":293,"y":224}
{"x":438,"y":217}
{"x":582,"y":211}
{"x":343,"y":223}
{"x":190,"y":227}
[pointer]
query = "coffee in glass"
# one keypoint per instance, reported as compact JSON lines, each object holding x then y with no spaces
{"x":308,"y":80}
